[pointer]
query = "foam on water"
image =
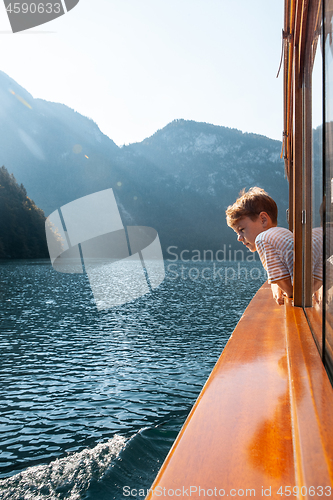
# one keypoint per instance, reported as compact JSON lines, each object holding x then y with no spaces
{"x":64,"y":478}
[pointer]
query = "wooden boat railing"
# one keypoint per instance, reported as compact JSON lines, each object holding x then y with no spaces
{"x":263,"y":423}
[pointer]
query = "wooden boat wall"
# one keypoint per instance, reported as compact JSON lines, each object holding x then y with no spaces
{"x":263,"y":423}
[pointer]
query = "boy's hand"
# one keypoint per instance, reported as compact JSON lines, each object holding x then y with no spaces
{"x":283,"y":288}
{"x":278,"y":294}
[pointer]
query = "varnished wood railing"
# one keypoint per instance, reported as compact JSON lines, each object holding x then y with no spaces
{"x":263,"y":423}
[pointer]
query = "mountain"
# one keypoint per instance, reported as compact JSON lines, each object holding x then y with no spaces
{"x":195,"y":170}
{"x":179,"y":181}
{"x":46,"y":146}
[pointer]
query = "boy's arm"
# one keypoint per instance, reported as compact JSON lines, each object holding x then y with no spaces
{"x":275,"y":266}
{"x":316,"y":284}
{"x":281,"y":288}
{"x":285,"y":286}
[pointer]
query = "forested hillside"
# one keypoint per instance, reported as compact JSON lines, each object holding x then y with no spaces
{"x":22,"y":224}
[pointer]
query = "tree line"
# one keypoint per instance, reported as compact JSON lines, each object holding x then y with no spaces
{"x":22,"y":223}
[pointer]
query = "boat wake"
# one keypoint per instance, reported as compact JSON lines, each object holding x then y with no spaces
{"x":64,"y":478}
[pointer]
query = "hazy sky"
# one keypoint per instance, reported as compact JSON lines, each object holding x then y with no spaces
{"x":133,"y":66}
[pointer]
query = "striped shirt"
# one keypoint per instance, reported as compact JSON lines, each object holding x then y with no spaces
{"x":317,"y":253}
{"x":275,"y":248}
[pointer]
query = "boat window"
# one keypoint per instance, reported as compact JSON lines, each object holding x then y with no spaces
{"x":318,"y":166}
{"x":328,"y":216}
{"x":317,"y":188}
{"x":313,"y":171}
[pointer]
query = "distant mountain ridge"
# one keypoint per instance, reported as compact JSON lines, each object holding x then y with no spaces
{"x":198,"y":153}
{"x":179,"y":181}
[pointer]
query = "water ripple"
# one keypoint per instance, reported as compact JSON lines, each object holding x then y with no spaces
{"x":72,"y":377}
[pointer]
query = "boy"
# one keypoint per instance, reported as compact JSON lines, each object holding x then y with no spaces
{"x":253,"y":217}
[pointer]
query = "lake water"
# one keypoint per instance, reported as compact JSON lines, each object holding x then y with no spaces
{"x":92,"y":401}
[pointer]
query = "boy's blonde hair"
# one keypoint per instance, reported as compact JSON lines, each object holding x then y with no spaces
{"x":250,"y":204}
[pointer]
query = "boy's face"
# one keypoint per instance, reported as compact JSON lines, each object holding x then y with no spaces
{"x":247,"y":230}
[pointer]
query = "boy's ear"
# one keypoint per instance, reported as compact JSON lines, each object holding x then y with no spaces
{"x":264,"y":219}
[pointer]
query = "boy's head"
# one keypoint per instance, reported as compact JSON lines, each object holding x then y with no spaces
{"x":253,"y":212}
